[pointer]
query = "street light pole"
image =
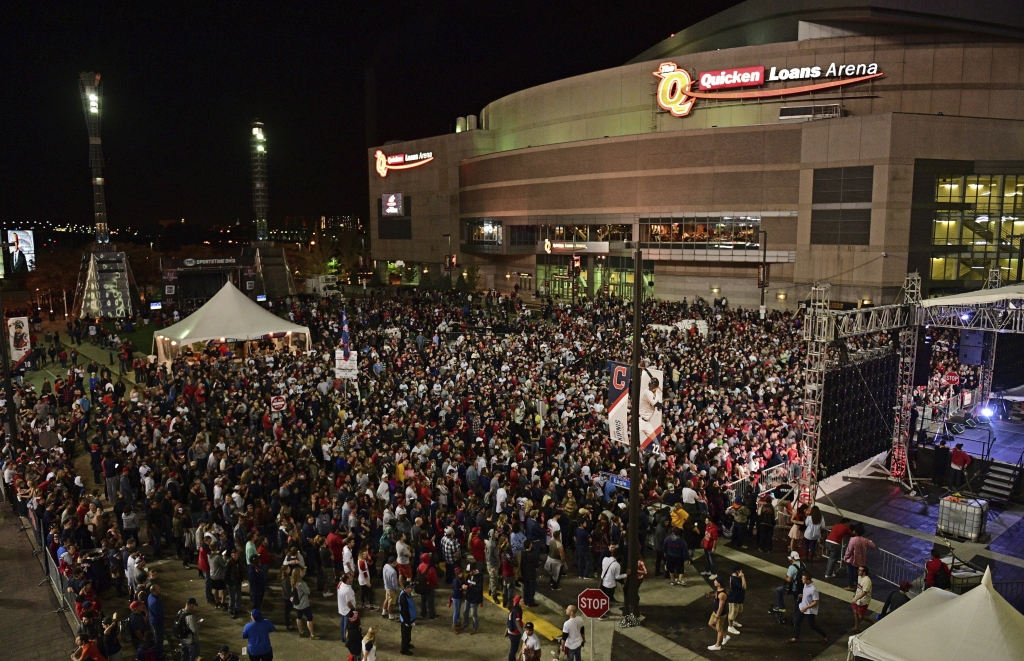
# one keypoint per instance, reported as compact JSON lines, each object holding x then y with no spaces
{"x":12,"y":413}
{"x":763,"y":284}
{"x":449,"y":236}
{"x":632,"y":607}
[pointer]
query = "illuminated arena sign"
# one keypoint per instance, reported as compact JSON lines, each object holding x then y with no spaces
{"x":676,"y":92}
{"x":400,"y":161}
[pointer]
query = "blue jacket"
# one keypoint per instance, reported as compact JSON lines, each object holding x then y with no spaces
{"x":406,"y":608}
{"x":156,"y":610}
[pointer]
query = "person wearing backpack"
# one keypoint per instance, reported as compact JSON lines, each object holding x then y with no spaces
{"x":425,"y":585}
{"x":793,"y":585}
{"x":186,"y":630}
{"x":938,"y":574}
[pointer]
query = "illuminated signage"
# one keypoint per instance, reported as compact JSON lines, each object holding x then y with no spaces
{"x":676,"y":92}
{"x":385,"y":163}
{"x":391,"y":204}
{"x":720,"y":80}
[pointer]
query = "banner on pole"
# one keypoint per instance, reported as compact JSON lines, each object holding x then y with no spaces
{"x":618,"y":402}
{"x":20,"y":342}
{"x":650,"y":410}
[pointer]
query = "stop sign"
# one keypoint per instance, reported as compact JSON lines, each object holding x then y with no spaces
{"x":593,"y":602}
{"x":951,"y":378}
{"x":277,"y":403}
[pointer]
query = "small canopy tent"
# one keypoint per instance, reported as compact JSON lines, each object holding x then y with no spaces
{"x":230,"y":315}
{"x":978,"y":625}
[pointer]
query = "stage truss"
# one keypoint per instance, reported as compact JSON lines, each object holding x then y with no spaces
{"x":823,"y":326}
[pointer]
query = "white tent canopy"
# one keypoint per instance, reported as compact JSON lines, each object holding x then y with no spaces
{"x":230,"y":315}
{"x":940,"y":626}
{"x":981,"y":297}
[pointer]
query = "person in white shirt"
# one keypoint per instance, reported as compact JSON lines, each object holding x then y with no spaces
{"x":530,"y":649}
{"x":808,"y":610}
{"x":346,"y":603}
{"x":573,"y":635}
{"x":611,"y":573}
{"x":500,"y":496}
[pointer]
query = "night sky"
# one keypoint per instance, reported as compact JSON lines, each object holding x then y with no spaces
{"x":183,"y":81}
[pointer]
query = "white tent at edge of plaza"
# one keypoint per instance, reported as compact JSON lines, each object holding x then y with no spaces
{"x":937,"y":625}
{"x":229,"y":316}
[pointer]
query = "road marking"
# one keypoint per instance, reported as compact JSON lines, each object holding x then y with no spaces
{"x":780,"y":571}
{"x":540,"y":625}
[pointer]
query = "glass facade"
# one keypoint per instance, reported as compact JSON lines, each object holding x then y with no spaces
{"x":483,"y":232}
{"x":731,"y":232}
{"x":602,"y":275}
{"x":979,"y":222}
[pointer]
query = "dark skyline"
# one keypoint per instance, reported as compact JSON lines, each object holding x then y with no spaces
{"x":183,"y":81}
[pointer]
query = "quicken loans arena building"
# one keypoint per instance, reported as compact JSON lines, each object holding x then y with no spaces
{"x":842,"y":141}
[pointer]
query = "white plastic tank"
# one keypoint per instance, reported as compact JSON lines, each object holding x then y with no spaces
{"x":470,"y":122}
{"x":460,"y":124}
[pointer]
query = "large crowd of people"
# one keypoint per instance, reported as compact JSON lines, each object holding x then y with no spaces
{"x":472,"y":451}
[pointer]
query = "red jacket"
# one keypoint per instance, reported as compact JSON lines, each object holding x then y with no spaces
{"x":336,"y":543}
{"x":933,"y":567}
{"x":960,"y":458}
{"x":428,"y":571}
{"x":710,"y":537}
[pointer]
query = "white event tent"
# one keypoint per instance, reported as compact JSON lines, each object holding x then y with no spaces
{"x":229,"y":316}
{"x":937,"y":625}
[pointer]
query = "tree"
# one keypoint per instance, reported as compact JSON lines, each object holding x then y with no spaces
{"x":473,"y":277}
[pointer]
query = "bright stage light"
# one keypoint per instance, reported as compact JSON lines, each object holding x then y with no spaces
{"x":987,"y":412}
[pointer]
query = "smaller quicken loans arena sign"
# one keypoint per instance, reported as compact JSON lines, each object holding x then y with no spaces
{"x":384,"y":163}
{"x":677,"y":93}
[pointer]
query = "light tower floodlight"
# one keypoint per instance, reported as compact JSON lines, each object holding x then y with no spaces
{"x":259,"y":180}
{"x":92,"y":94}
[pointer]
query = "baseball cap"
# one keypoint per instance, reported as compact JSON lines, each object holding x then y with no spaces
{"x":192,"y":601}
{"x":257,"y":614}
{"x":793,"y":555}
{"x":225,"y":649}
{"x":135,"y":604}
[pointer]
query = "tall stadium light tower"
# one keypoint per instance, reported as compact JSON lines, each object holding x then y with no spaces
{"x":259,"y":180}
{"x":92,"y":96}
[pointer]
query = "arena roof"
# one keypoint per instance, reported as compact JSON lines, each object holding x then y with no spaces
{"x":757,"y":22}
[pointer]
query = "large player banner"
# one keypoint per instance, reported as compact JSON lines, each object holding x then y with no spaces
{"x":618,"y":402}
{"x":650,"y":410}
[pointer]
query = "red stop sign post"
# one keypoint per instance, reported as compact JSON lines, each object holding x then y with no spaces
{"x":277,"y":403}
{"x":951,"y":378}
{"x":593,"y":603}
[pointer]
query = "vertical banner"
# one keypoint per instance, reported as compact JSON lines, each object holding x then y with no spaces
{"x":21,"y":346}
{"x":618,"y":402}
{"x":651,"y":381}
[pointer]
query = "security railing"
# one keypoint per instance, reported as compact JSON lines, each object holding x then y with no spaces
{"x":58,"y":582}
{"x":894,"y":569}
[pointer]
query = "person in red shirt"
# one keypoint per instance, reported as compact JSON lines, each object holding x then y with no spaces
{"x":336,"y":543}
{"x":958,"y":463}
{"x":934,"y":566}
{"x":427,"y":586}
{"x":87,"y":649}
{"x":834,"y":544}
{"x":709,"y":542}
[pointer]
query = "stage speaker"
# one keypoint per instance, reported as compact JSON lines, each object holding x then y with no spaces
{"x":972,"y":346}
{"x":923,"y":363}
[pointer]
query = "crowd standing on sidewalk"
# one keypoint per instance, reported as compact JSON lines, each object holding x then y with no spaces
{"x":475,"y":435}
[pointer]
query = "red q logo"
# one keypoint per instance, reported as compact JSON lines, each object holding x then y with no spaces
{"x":619,"y":377}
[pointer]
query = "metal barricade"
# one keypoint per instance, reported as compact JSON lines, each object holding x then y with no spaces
{"x":773,"y":478}
{"x":893,"y":569}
